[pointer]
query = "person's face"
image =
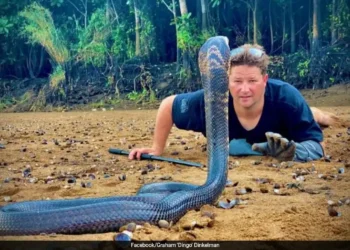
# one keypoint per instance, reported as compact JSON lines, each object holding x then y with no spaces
{"x":247,"y":85}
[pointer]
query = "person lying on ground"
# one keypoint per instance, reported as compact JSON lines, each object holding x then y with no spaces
{"x":266,"y":116}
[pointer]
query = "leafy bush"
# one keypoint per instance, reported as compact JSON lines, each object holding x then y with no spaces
{"x":57,"y":77}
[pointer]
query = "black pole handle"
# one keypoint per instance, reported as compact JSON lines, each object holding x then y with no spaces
{"x":158,"y":158}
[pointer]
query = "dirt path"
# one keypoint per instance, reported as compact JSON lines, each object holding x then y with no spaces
{"x":57,"y":145}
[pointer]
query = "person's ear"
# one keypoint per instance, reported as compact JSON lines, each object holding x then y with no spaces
{"x":265,"y":78}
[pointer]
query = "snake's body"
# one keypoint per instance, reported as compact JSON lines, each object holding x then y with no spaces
{"x":153,"y":202}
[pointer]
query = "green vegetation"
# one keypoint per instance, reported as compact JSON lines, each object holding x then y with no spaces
{"x":119,"y":50}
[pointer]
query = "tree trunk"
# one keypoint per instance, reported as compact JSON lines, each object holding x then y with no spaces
{"x":315,"y":28}
{"x":333,"y":29}
{"x":178,"y":52}
{"x":199,"y":11}
{"x":137,"y":29}
{"x":255,"y":23}
{"x":204,"y":15}
{"x":183,"y":7}
{"x":86,"y":13}
{"x":248,"y":25}
{"x":284,"y":29}
{"x":292,"y":27}
{"x":271,"y":29}
{"x":185,"y":54}
{"x":108,"y":10}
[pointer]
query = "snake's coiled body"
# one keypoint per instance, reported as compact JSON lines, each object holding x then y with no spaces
{"x":154,"y":202}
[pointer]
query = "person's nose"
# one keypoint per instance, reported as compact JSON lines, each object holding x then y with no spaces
{"x":245,"y":87}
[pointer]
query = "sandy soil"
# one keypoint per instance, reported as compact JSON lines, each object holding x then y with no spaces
{"x":58,"y":145}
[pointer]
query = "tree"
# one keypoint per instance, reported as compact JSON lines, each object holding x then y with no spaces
{"x":41,"y":29}
{"x":253,"y":5}
{"x":271,"y":28}
{"x":292,"y":27}
{"x":315,"y":27}
{"x":172,"y":8}
{"x":137,"y":28}
{"x":204,"y":15}
{"x":185,"y":54}
{"x":333,"y":21}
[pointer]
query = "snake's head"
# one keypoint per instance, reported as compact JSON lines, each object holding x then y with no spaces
{"x":214,"y":51}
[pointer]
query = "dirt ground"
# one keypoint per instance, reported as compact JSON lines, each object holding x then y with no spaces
{"x":58,"y":145}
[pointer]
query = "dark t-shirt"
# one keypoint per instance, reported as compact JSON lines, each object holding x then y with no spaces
{"x":285,"y":112}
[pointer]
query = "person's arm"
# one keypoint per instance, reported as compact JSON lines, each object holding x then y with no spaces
{"x":185,"y":111}
{"x":284,"y":150}
{"x":302,"y":137}
{"x":164,"y":123}
{"x":308,"y":151}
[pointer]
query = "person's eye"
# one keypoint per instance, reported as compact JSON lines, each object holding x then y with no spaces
{"x":253,"y":81}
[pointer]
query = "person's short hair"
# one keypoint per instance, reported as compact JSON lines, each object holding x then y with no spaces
{"x":251,"y":55}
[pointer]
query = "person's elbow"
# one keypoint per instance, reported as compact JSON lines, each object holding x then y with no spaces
{"x":166,"y":106}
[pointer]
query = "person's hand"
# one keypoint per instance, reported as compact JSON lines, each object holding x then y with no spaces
{"x":136,"y":152}
{"x":276,"y":146}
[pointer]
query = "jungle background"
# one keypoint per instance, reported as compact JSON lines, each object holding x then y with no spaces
{"x":75,"y":54}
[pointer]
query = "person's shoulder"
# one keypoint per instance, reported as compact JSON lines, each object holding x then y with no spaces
{"x":194,"y":94}
{"x":280,"y":86}
{"x":283,"y":93}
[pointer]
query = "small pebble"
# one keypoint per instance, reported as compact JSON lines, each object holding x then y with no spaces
{"x":229,"y":183}
{"x":131,"y":227}
{"x":71,"y":180}
{"x":150,"y":167}
{"x":165,"y":178}
{"x":26,"y":172}
{"x":332,"y":212}
{"x":235,"y":164}
{"x":189,"y":225}
{"x":124,"y":236}
{"x":300,"y":178}
{"x":262,"y":180}
{"x":345,"y":201}
{"x":122,"y":177}
{"x":293,"y":185}
{"x":33,"y":180}
{"x":86,"y":185}
{"x":7,"y":180}
{"x":327,"y":158}
{"x":229,"y":203}
{"x":163,"y":224}
{"x":256,"y":162}
{"x":241,"y":191}
{"x":330,"y":203}
{"x":7,"y":199}
{"x":341,"y":171}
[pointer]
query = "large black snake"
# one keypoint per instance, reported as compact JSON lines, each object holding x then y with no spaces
{"x":154,"y":202}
